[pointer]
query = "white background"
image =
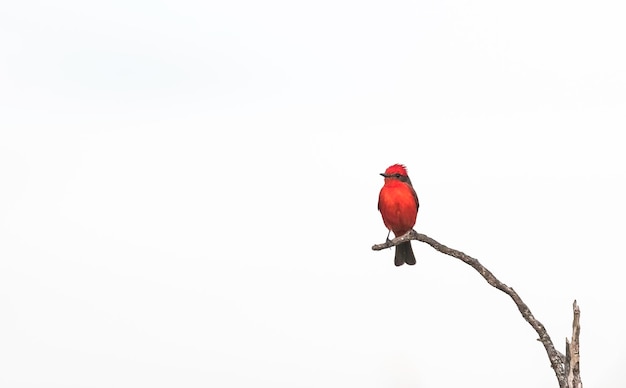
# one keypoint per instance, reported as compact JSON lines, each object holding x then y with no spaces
{"x":188,"y":191}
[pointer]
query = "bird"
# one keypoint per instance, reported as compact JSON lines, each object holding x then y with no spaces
{"x":398,"y":205}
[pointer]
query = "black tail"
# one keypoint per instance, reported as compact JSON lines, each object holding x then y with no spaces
{"x":404,"y":254}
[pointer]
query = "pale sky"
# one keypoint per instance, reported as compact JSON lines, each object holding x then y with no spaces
{"x":188,"y":191}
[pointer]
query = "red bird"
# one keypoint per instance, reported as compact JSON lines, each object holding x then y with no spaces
{"x":398,"y":205}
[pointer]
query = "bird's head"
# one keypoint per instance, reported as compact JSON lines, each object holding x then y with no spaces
{"x":397,"y":171}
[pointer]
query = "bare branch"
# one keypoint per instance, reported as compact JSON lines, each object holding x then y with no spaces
{"x":573,"y":351}
{"x":556,"y":358}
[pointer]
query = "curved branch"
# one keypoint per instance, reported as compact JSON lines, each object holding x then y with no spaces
{"x":557,"y":361}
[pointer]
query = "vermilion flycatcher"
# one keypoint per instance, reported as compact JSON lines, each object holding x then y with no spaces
{"x":398,"y":205}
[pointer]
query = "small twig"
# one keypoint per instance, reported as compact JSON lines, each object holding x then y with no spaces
{"x":556,"y":359}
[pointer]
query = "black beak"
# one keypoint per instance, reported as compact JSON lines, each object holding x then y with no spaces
{"x":383,"y":174}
